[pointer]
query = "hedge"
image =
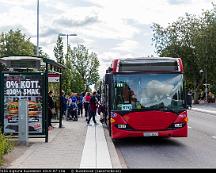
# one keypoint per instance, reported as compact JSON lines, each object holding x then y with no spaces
{"x":5,"y":147}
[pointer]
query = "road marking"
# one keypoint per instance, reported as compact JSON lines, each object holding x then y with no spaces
{"x":214,"y":137}
{"x":204,"y":111}
{"x":189,"y":127}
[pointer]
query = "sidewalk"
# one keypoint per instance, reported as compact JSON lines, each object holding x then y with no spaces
{"x":75,"y":146}
{"x":205,"y":107}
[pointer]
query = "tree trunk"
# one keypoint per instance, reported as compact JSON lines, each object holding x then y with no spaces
{"x":86,"y":88}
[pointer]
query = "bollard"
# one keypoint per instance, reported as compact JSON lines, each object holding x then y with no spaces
{"x":23,"y":122}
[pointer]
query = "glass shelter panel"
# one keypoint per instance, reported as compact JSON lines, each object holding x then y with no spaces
{"x":23,"y":86}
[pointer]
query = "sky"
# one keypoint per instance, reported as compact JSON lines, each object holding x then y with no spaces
{"x":110,"y":28}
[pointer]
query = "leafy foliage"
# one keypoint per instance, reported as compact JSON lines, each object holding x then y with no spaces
{"x":67,"y":75}
{"x":81,"y":67}
{"x":5,"y":147}
{"x":85,"y":64}
{"x":15,"y":43}
{"x":58,"y":51}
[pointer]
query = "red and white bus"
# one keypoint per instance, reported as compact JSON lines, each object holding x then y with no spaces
{"x":145,"y":97}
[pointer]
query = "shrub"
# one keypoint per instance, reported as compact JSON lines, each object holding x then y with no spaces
{"x":5,"y":147}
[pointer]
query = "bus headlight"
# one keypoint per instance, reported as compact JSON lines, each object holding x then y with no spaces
{"x":178,"y":125}
{"x":121,"y":126}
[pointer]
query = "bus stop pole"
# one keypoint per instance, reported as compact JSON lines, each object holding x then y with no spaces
{"x":23,"y":122}
{"x":46,"y":103}
{"x":61,"y":109}
{"x":1,"y":102}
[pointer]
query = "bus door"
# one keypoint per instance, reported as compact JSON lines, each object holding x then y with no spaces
{"x":108,"y":86}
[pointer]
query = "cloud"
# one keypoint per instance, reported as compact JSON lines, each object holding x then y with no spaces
{"x":143,"y":37}
{"x":127,"y":46}
{"x":176,"y":2}
{"x":107,"y":57}
{"x":69,"y":22}
{"x":16,"y":2}
{"x":104,"y":44}
{"x":7,"y":28}
{"x":49,"y":32}
{"x":81,"y":3}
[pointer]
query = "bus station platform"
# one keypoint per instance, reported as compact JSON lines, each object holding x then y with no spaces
{"x":74,"y":146}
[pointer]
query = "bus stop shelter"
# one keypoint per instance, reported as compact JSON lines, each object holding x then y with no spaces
{"x":28,"y":77}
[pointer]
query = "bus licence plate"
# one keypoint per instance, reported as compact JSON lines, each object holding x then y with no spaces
{"x":150,"y":134}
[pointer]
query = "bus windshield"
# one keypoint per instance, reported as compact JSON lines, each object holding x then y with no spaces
{"x":137,"y":92}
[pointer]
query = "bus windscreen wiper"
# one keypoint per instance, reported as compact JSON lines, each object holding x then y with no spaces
{"x":163,"y":108}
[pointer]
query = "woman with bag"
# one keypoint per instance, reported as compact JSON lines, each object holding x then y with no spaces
{"x":86,"y":101}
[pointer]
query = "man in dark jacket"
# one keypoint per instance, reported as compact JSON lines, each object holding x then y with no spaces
{"x":189,"y":99}
{"x":51,"y":106}
{"x":92,"y":108}
{"x":63,"y":103}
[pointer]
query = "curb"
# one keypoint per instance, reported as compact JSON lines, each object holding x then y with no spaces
{"x":204,"y":111}
{"x":116,"y":159}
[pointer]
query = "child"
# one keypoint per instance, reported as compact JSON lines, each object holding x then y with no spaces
{"x":101,"y":112}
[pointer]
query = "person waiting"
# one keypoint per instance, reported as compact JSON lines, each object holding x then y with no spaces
{"x":86,"y":101}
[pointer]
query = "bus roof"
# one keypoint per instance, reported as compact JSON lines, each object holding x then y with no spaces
{"x":144,"y":64}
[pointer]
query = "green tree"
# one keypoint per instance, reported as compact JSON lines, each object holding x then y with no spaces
{"x":77,"y":84}
{"x":85,"y":65}
{"x":15,"y":43}
{"x":41,"y":52}
{"x":2,"y":67}
{"x":58,"y":51}
{"x":67,"y":74}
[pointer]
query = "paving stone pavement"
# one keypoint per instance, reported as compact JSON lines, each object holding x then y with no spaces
{"x":64,"y":149}
{"x":74,"y":146}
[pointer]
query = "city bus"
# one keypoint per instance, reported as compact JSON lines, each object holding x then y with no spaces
{"x":145,"y":97}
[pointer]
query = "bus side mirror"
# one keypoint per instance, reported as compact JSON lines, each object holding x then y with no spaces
{"x":108,"y":78}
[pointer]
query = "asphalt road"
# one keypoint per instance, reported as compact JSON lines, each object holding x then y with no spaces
{"x":198,"y":150}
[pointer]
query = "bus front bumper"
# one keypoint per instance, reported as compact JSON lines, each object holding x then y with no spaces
{"x":120,"y":133}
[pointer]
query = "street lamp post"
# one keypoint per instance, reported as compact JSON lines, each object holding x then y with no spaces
{"x":206,"y":67}
{"x":61,"y":110}
{"x":67,"y":35}
{"x":205,"y":84}
{"x":37,"y":28}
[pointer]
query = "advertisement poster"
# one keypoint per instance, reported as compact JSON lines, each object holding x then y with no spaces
{"x":27,"y":87}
